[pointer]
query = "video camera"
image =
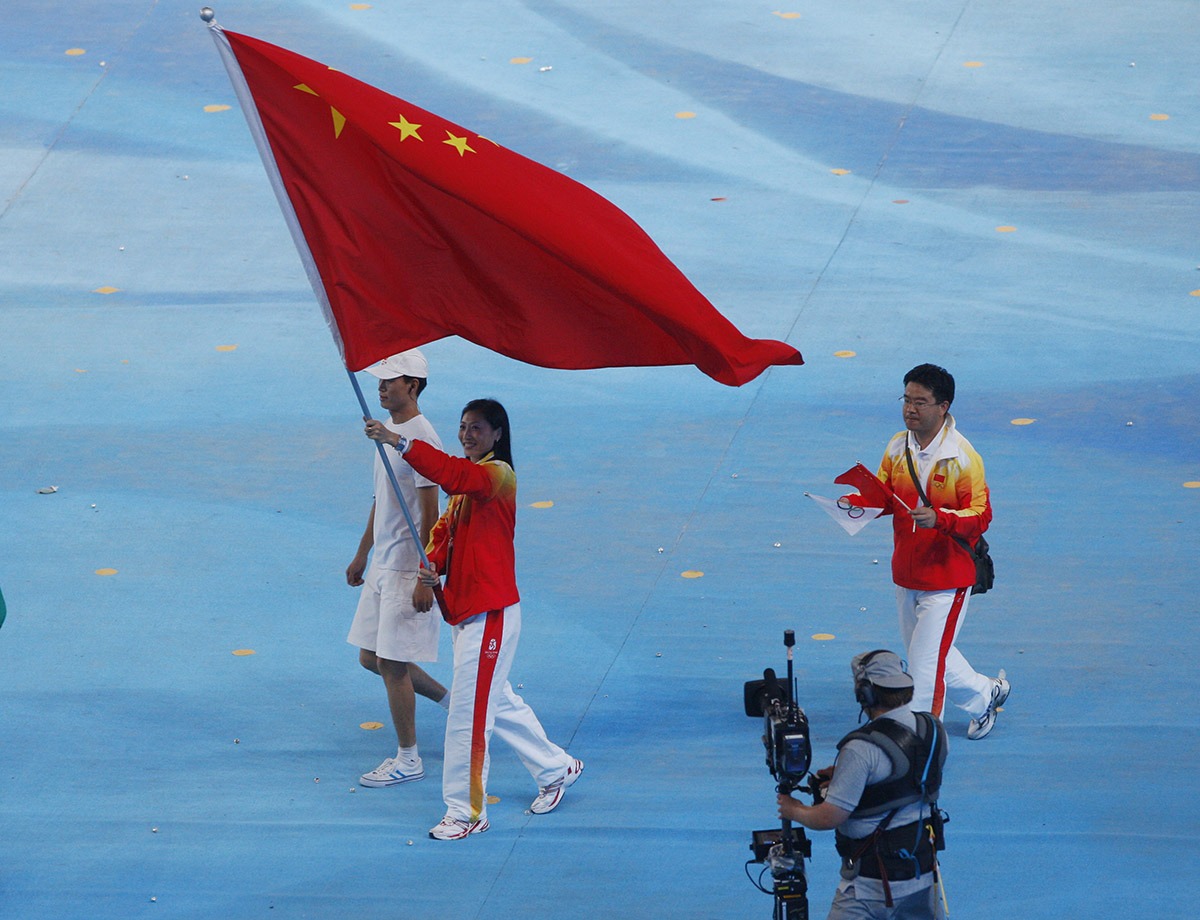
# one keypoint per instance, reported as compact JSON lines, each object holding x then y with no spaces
{"x":785,"y":726}
{"x":789,"y":755}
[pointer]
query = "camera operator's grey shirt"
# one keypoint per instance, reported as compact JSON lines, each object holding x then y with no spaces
{"x":860,"y":763}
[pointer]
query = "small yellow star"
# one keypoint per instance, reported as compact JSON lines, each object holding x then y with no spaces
{"x":339,"y":120}
{"x":407,"y":129}
{"x":458,"y":143}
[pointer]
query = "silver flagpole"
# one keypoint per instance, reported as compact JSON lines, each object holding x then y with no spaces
{"x":254,"y":122}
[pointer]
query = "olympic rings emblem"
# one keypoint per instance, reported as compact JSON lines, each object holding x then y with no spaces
{"x":852,"y":511}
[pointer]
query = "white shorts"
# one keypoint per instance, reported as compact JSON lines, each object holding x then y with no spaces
{"x":386,"y":622}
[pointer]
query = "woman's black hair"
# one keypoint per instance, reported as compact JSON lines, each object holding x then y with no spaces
{"x":495,"y":415}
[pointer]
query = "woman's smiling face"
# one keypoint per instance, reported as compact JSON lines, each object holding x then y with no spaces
{"x":477,"y":436}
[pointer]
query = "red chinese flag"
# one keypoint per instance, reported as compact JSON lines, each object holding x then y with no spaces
{"x":413,"y":229}
{"x":875,"y":494}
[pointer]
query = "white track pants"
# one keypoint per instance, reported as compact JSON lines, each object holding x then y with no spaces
{"x":481,"y":700}
{"x":929,"y":625}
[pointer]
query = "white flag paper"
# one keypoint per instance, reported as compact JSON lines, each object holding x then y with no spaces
{"x":850,"y":517}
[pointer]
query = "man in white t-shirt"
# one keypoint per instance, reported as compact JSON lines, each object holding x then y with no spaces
{"x":397,"y":623}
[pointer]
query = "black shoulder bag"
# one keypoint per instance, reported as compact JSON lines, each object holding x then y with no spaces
{"x":985,"y":569}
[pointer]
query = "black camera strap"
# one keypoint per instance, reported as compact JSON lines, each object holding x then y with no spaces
{"x":912,"y":471}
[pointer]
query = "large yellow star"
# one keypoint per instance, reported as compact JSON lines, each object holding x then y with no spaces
{"x":458,"y":143}
{"x":407,"y":129}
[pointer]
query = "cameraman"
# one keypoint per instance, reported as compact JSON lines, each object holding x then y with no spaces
{"x":880,"y":797}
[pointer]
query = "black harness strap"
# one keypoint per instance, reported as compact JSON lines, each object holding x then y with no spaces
{"x":917,"y":759}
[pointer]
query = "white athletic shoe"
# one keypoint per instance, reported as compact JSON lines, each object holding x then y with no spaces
{"x":393,"y":772}
{"x":548,"y":797}
{"x":456,"y":828}
{"x":982,"y":727}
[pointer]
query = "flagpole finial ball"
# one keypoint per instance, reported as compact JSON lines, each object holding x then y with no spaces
{"x":207,"y":14}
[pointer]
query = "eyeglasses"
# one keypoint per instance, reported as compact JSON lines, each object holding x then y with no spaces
{"x":917,"y":403}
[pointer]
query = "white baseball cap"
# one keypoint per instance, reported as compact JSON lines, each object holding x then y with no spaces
{"x":409,"y":363}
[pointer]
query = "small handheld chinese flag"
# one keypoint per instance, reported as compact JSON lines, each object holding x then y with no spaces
{"x":875,"y":494}
{"x":413,"y":229}
{"x":874,"y":499}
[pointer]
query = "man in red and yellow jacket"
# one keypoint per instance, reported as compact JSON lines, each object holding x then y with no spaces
{"x":932,"y":569}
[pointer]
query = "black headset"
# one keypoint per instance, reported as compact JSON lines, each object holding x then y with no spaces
{"x":864,"y":690}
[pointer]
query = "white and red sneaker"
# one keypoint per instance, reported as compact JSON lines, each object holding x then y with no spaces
{"x":457,"y":829}
{"x":548,"y":797}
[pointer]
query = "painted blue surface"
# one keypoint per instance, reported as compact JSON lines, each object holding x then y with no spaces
{"x":149,"y":771}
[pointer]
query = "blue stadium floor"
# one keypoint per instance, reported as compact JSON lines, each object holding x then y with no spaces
{"x":1012,"y":191}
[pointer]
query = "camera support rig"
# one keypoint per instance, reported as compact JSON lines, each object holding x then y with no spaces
{"x":789,"y":755}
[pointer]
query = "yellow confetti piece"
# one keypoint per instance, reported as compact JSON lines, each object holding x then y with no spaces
{"x":822,"y":637}
{"x":106,"y":571}
{"x":972,"y":63}
{"x":545,"y":504}
{"x":1192,"y":484}
{"x":1158,"y":116}
{"x":107,"y":289}
{"x":1006,"y":229}
{"x":226,"y":348}
{"x":845,"y":354}
{"x":493,"y":799}
{"x":1023,"y":421}
{"x":216,"y":108}
{"x":371,"y":726}
{"x":685,"y":114}
{"x":74,"y":52}
{"x":691,"y":573}
{"x":840,"y":172}
{"x":785,"y":15}
{"x":1195,"y":293}
{"x":243,"y":652}
{"x":520,"y":60}
{"x":81,"y":370}
{"x":360,"y":6}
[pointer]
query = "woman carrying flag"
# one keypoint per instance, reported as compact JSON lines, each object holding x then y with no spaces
{"x":472,"y":545}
